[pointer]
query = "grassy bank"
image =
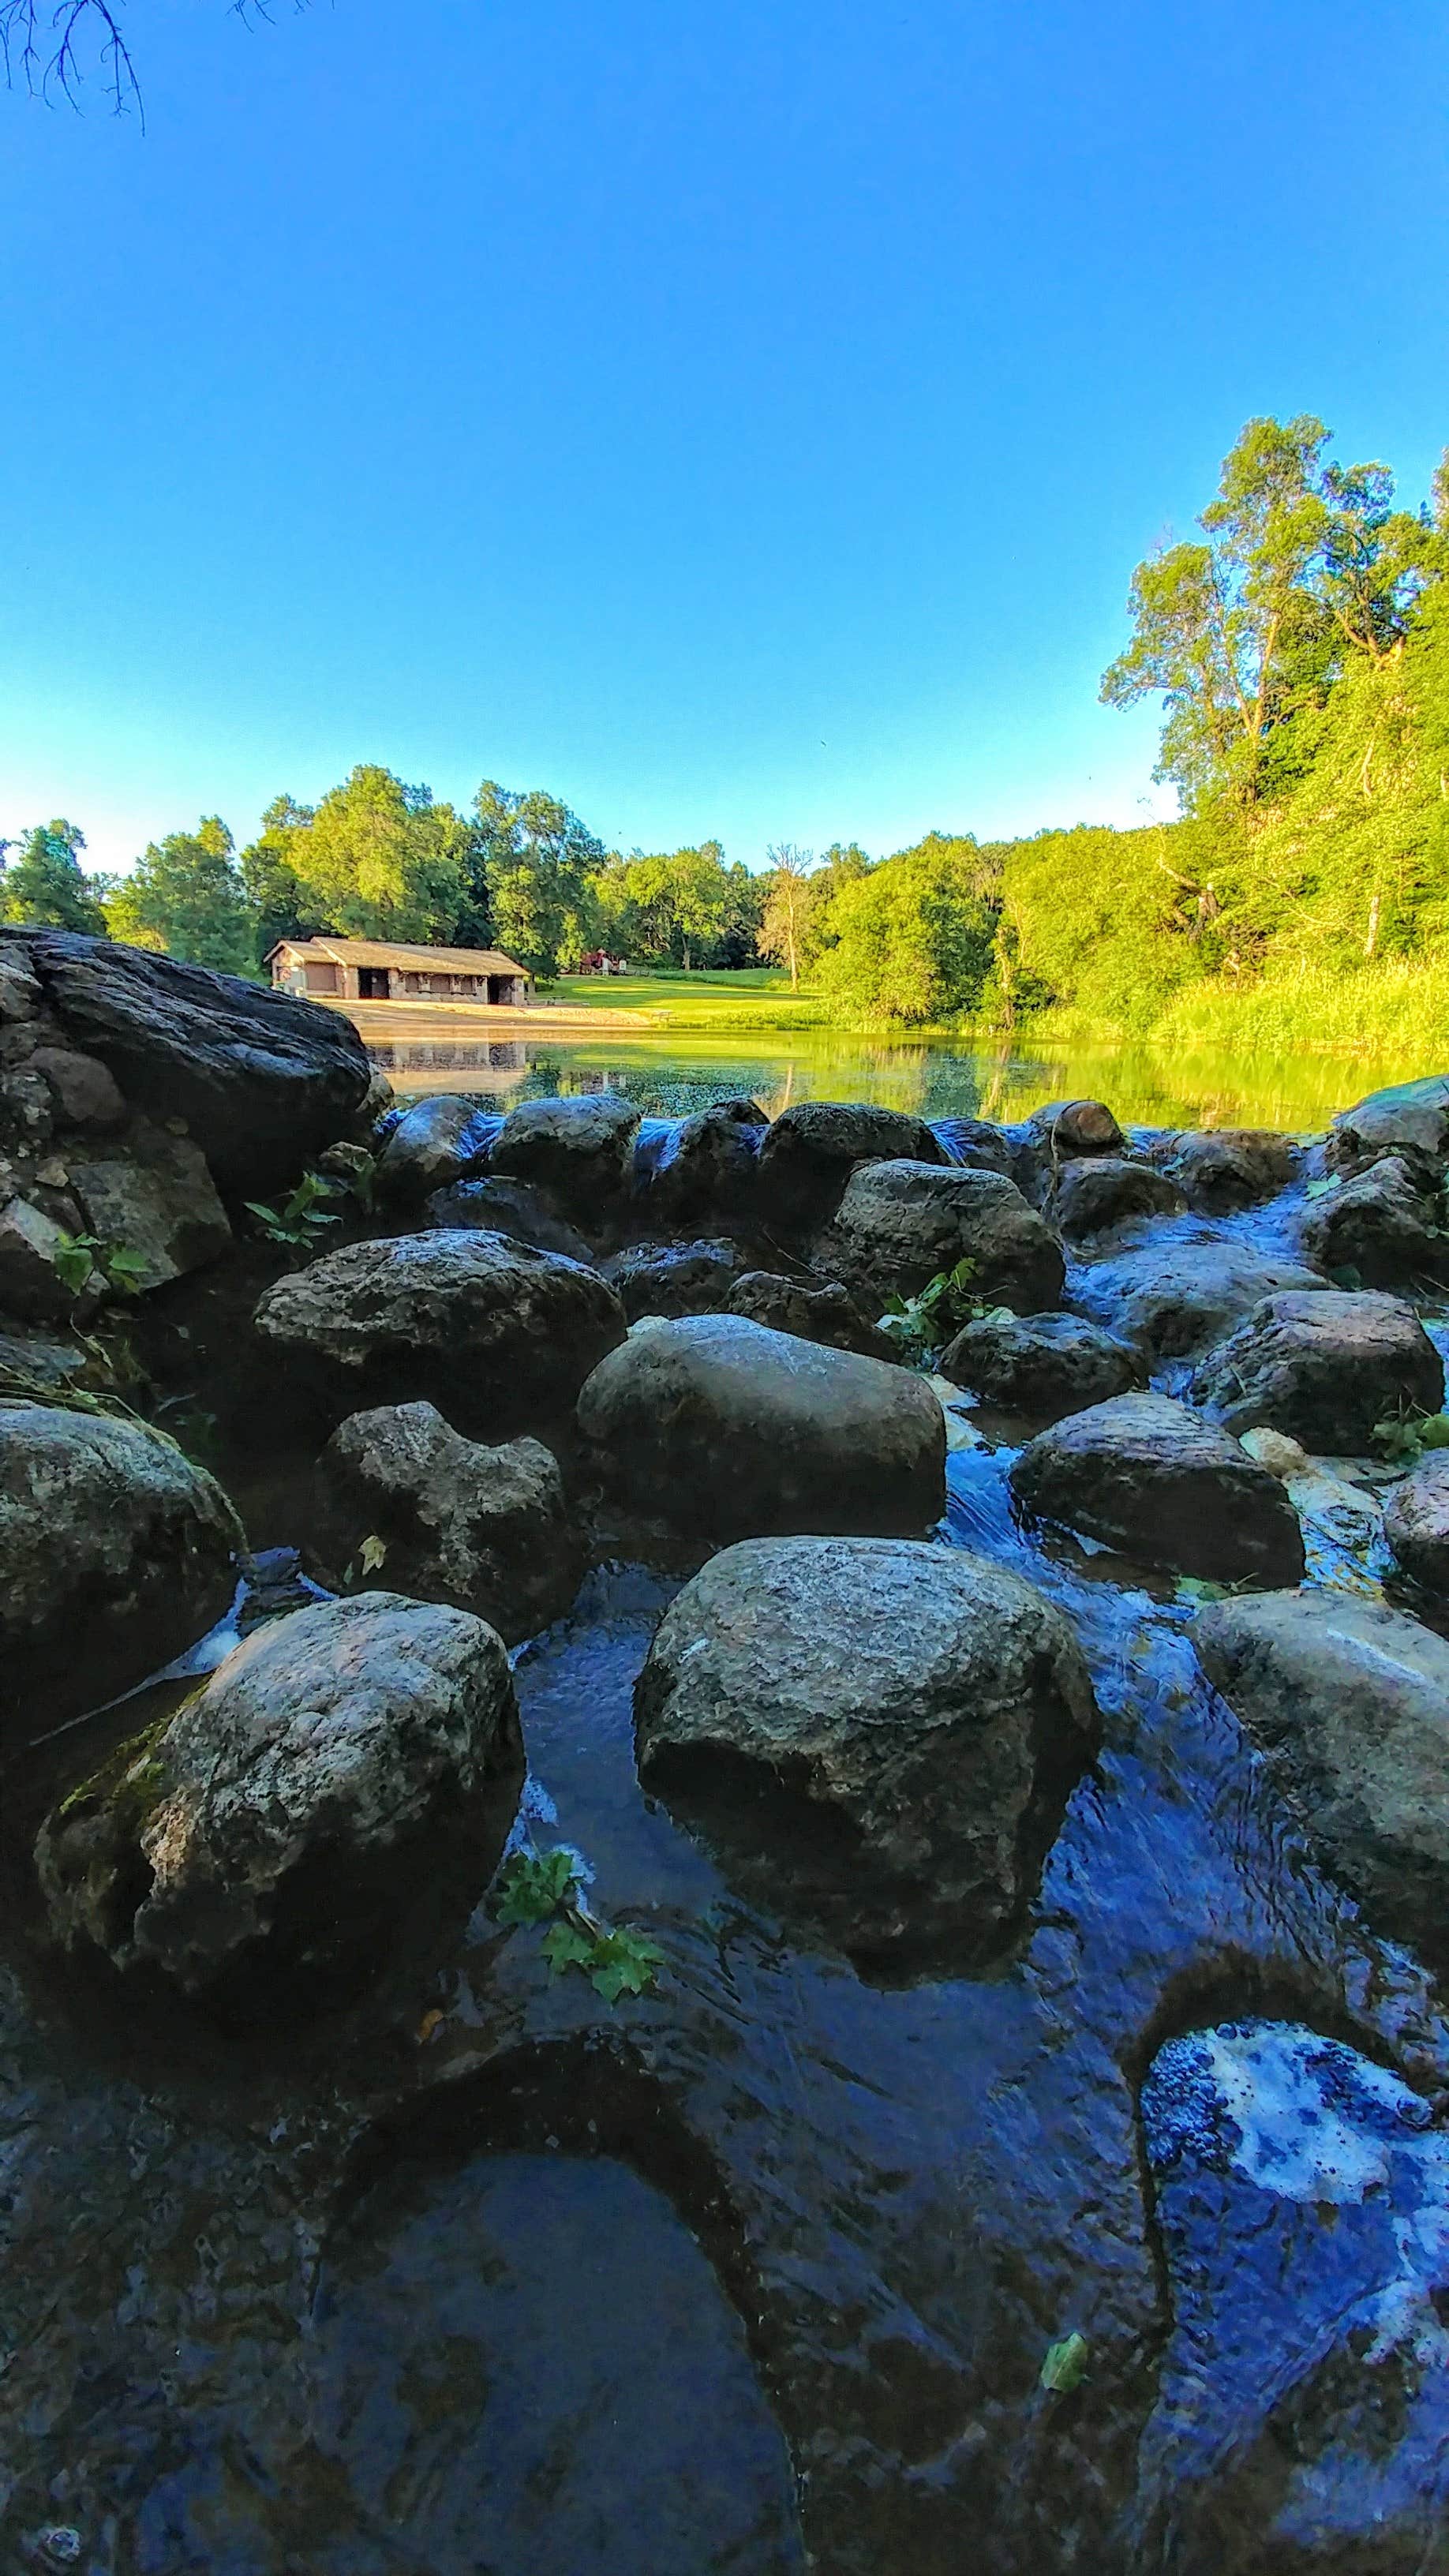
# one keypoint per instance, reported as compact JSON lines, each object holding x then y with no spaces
{"x":1399,"y":1010}
{"x":751,"y":997}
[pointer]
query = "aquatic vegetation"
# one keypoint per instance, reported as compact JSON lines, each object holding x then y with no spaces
{"x":547,"y":1887}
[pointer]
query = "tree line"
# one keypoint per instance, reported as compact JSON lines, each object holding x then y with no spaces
{"x":1299,"y":646}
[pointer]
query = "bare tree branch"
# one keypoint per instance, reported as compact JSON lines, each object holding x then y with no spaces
{"x":43,"y":43}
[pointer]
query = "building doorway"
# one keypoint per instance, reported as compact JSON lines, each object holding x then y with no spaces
{"x":373,"y":983}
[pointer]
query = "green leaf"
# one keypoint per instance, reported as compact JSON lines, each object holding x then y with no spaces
{"x":534,"y":1885}
{"x":75,"y":1260}
{"x":123,"y":1270}
{"x":1065,"y":2365}
{"x":1322,"y":1189}
{"x":1197,"y":1587}
{"x":565,"y":1946}
{"x":374,"y":1554}
{"x":623,"y":1963}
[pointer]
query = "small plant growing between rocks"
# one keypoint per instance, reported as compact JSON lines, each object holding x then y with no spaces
{"x":547,"y":1887}
{"x":83,"y":1261}
{"x":297,"y":1220}
{"x":1065,"y":2365}
{"x":1404,"y":1438}
{"x":923,"y":1324}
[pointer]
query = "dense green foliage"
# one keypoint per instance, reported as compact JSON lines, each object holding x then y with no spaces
{"x":185,"y":895}
{"x":47,"y":884}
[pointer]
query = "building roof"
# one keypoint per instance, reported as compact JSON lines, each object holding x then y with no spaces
{"x":399,"y":952}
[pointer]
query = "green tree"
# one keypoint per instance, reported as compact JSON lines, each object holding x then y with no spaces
{"x":186,"y":895}
{"x":281,"y":908}
{"x":375,"y":859}
{"x":47,"y":883}
{"x":539,"y":862}
{"x":784,"y":929}
{"x":913,"y":936}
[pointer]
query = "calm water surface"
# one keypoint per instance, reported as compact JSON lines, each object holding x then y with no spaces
{"x":672,"y":1075}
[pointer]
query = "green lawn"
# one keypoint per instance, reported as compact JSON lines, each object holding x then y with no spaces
{"x":752,"y":997}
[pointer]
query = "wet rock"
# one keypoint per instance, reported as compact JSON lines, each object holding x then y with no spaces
{"x":673,"y":1278}
{"x":1228,"y":1168}
{"x":1348,"y":1703}
{"x":1097,"y":1192}
{"x":729,"y":1430}
{"x":817,"y":1312}
{"x":811,"y":1149}
{"x":1382,"y":1225}
{"x":1146,"y":1475}
{"x":30,"y":1286}
{"x":115,"y":1553}
{"x":500,"y":1206}
{"x":708,"y":1166}
{"x":153,"y":1194}
{"x":877,"y":1734}
{"x":976,"y":1143}
{"x":486,"y":1529}
{"x":434,"y":1143}
{"x":1041,"y":1365}
{"x":1410,"y":1114}
{"x":263,"y":1080}
{"x":899,"y":1223}
{"x":1416,"y":1523}
{"x":578,"y":1149}
{"x":490,"y":1330}
{"x":40,"y":1363}
{"x":333,"y":1765}
{"x":1324,"y":1368}
{"x":1071,"y":1127}
{"x":85,"y":1092}
{"x":1174,"y":1300}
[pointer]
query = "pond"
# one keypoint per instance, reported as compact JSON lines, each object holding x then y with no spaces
{"x":676,"y":1072}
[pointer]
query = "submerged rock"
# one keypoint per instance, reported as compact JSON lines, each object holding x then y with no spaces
{"x":1416,"y":1523}
{"x":1348,"y":1702}
{"x":1323,"y":1368}
{"x":1099,"y":1191}
{"x":1041,"y":1365}
{"x":728,"y":1430}
{"x":1174,"y":1300}
{"x":579,"y":1149}
{"x":115,"y":1553}
{"x":1227,"y":1168}
{"x":818,"y":1311}
{"x":1384,"y":1225}
{"x":876,"y":1734}
{"x":434,"y":1143}
{"x":486,"y":1529}
{"x":673,"y":1278}
{"x":811,"y":1149}
{"x":1411,"y":1114}
{"x":335,"y":1764}
{"x":486,"y":1328}
{"x":1146,"y":1475}
{"x":900,"y":1223}
{"x":496,"y":1205}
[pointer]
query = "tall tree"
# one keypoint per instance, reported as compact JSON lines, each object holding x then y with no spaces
{"x":539,"y":861}
{"x":47,"y":883}
{"x":783,"y":930}
{"x":186,"y":895}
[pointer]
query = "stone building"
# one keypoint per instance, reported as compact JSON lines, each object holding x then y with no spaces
{"x":390,"y":970}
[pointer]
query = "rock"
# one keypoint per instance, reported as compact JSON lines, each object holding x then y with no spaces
{"x":337,"y":1761}
{"x":1412,"y":1114}
{"x":1173,"y":1300}
{"x":20,"y":994}
{"x":39,"y":1364}
{"x":30,"y":1287}
{"x":826,"y":1312}
{"x":1228,"y":1168}
{"x":1072,"y":1127}
{"x":27,"y":1111}
{"x":436,"y":1142}
{"x":1096,"y":1192}
{"x":500,"y":1206}
{"x":708,"y":1165}
{"x":348,"y":1162}
{"x":578,"y":1149}
{"x":1382,"y":1225}
{"x":1324,"y":1368}
{"x":487,"y":1328}
{"x":486,"y":1529}
{"x":811,"y":1149}
{"x":673,"y":1278}
{"x":1041,"y":1365}
{"x":877,"y":1734}
{"x":115,"y":1553}
{"x":152,"y":1194}
{"x":85,"y":1092}
{"x":1348,"y":1702}
{"x":729,"y":1431}
{"x":975,"y":1143}
{"x":1143,"y":1474}
{"x":900,"y":1223}
{"x":1416,"y":1523}
{"x":263,"y":1080}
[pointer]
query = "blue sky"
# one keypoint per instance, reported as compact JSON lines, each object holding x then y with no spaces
{"x":741,"y":420}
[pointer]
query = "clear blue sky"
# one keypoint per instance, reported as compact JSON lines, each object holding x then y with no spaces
{"x":739,"y":419}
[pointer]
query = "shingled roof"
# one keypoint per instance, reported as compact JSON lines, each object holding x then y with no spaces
{"x":406,"y":955}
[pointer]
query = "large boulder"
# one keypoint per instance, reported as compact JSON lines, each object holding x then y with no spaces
{"x":1416,"y":1524}
{"x":1383,"y":1225}
{"x":152,"y":1194}
{"x":819,"y":1311}
{"x":262,"y":1080}
{"x":1041,"y":1366}
{"x":1145,"y":1475}
{"x":708,"y":1165}
{"x":1414,"y":1115}
{"x":811,"y":1149}
{"x":900,"y":1223}
{"x":1094,"y":1193}
{"x":1221,"y":1170}
{"x":875,"y":1734}
{"x":497,"y":1205}
{"x":337,"y":1763}
{"x":1324,"y":1368}
{"x":1348,"y":1702}
{"x":673,"y":1278}
{"x":486,"y":1529}
{"x":434,"y":1143}
{"x":484,"y":1327}
{"x":1174,"y":1300}
{"x":727,"y":1430}
{"x":578,"y":1149}
{"x":115,"y":1553}
{"x":976,"y":1143}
